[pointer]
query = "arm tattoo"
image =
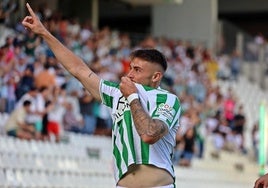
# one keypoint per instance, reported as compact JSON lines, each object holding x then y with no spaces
{"x":144,"y":124}
{"x":90,"y":74}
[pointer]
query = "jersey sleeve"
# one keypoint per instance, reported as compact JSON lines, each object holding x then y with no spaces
{"x":108,"y":90}
{"x":160,"y":104}
{"x":167,"y":109}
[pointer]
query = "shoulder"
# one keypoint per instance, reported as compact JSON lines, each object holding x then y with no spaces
{"x":109,"y":84}
{"x":155,"y":91}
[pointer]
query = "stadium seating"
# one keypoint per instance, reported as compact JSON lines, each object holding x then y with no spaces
{"x":251,"y":96}
{"x":83,"y":161}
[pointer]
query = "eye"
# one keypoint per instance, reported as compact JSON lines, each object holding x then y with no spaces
{"x":136,"y":69}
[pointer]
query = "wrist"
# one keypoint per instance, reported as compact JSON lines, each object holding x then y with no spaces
{"x":132,"y":97}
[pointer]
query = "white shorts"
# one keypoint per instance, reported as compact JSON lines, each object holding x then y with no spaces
{"x":164,"y":186}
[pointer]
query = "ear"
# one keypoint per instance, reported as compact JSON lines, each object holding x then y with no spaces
{"x":157,"y":77}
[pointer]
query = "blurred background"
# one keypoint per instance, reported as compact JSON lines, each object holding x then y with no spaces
{"x":217,"y":57}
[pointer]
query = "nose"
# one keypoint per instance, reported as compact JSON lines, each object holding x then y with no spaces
{"x":130,"y":74}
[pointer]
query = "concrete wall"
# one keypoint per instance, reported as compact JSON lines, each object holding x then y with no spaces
{"x":239,"y":6}
{"x":193,"y":20}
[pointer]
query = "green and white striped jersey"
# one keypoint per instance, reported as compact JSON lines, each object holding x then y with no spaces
{"x":128,"y":148}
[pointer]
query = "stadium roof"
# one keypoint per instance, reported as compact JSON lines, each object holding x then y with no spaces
{"x":151,"y":2}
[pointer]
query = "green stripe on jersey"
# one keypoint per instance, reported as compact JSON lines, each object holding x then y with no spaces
{"x":111,"y":84}
{"x":147,"y":88}
{"x":176,"y":107}
{"x":128,"y":121}
{"x":145,"y":148}
{"x":148,"y":106}
{"x":108,"y":100}
{"x":124,"y":149}
{"x":160,"y":98}
{"x":117,"y":158}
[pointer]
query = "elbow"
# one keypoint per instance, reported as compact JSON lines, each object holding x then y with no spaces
{"x":80,"y":70}
{"x":156,"y":132}
{"x":149,"y":139}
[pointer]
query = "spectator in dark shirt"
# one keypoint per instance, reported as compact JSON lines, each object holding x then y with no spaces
{"x":238,"y":128}
{"x":86,"y":102}
{"x":189,"y":148}
{"x":26,"y":82}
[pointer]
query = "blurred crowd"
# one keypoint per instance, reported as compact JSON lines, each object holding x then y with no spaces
{"x":43,"y":100}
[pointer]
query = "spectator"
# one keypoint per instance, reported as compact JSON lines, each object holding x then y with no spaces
{"x":59,"y":99}
{"x":188,"y":148}
{"x":235,"y":64}
{"x":73,"y":98}
{"x":17,"y":126}
{"x":26,"y":82}
{"x":229,"y":107}
{"x":179,"y":147}
{"x":31,"y":42}
{"x":21,"y":63}
{"x":220,"y":133}
{"x":185,"y":125}
{"x":11,"y":96}
{"x":9,"y":54}
{"x":45,"y":78}
{"x":70,"y":120}
{"x":239,"y":123}
{"x":37,"y":99}
{"x":41,"y":99}
{"x":50,"y":128}
{"x":104,"y":121}
{"x":30,"y":95}
{"x":87,"y":103}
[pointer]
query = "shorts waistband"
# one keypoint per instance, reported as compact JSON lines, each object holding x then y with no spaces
{"x":164,"y":186}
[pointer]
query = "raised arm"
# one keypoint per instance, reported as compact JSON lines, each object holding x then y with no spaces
{"x":66,"y":57}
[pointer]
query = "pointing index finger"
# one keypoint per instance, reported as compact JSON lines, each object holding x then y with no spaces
{"x":30,"y":10}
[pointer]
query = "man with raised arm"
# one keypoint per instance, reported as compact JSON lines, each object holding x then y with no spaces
{"x":145,"y":117}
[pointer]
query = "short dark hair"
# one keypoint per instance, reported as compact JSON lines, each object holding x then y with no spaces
{"x":43,"y":88}
{"x":33,"y":88}
{"x":26,"y":103}
{"x":150,"y":55}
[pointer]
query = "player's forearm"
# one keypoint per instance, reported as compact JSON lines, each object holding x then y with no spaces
{"x":73,"y":64}
{"x":150,"y":130}
{"x":65,"y":56}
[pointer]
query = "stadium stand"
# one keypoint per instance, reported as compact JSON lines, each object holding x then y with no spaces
{"x":83,"y":160}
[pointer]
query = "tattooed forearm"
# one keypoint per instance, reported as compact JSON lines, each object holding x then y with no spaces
{"x":90,"y":74}
{"x":144,"y":124}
